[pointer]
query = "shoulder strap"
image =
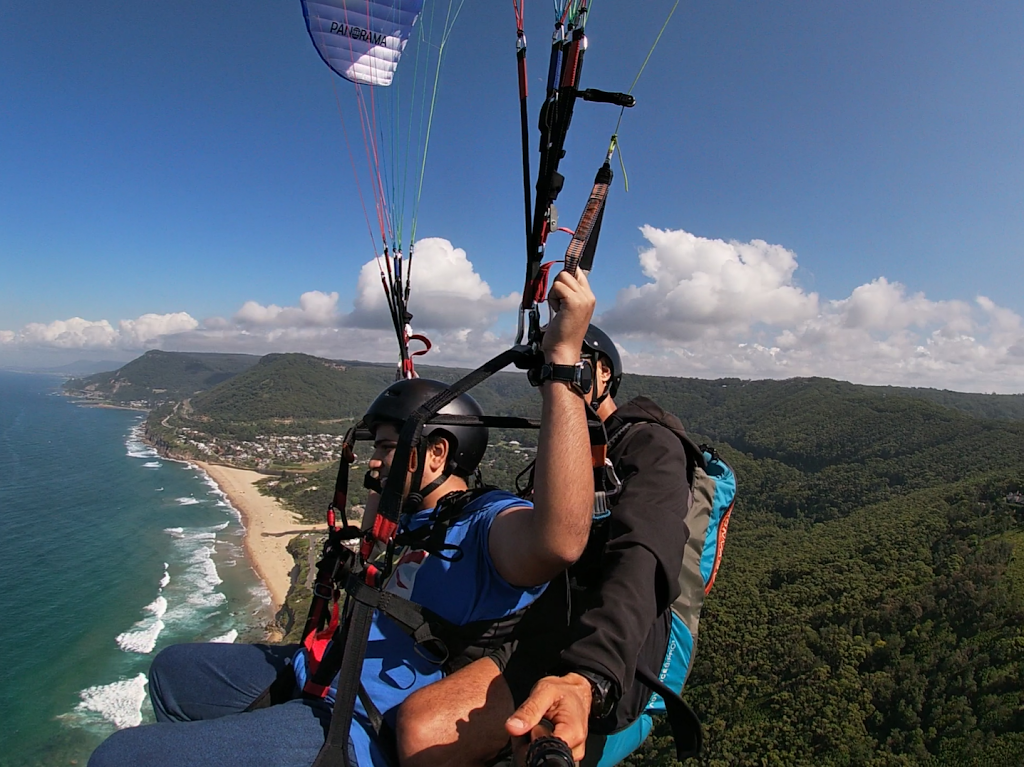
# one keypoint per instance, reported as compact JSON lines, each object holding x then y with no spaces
{"x":694,"y":455}
{"x":430,"y":537}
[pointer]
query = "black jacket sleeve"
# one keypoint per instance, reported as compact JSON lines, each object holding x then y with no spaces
{"x":641,"y":560}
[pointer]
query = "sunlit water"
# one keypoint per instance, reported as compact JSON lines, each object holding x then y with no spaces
{"x":108,"y":553}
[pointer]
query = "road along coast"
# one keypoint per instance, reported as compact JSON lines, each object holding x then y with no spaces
{"x":268,"y":527}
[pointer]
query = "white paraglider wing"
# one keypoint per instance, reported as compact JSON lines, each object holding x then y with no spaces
{"x":361,"y":40}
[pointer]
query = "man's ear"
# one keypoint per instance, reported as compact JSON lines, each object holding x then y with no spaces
{"x":437,"y":454}
{"x":604,"y":373}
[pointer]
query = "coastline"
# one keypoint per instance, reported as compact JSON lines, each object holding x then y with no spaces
{"x":268,"y":527}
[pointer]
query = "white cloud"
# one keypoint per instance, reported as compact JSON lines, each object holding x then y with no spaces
{"x":448,"y":294}
{"x":152,"y":327}
{"x":701,"y":287}
{"x":77,"y":333}
{"x":710,"y":308}
{"x":74,"y":333}
{"x":315,"y":309}
{"x":713,"y":308}
{"x":450,"y":302}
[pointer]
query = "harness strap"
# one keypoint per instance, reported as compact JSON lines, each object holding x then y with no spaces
{"x":684,"y":722}
{"x":414,"y":619}
{"x":356,"y":634}
{"x":334,"y":565}
{"x":386,"y":737}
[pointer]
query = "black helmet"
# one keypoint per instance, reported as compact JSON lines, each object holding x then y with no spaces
{"x":598,"y":343}
{"x":466,"y":444}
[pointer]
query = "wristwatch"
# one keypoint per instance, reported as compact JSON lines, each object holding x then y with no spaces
{"x":580,"y":376}
{"x":602,"y":693}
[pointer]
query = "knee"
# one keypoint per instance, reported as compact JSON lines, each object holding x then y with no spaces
{"x":167,"y":661}
{"x":415,"y":728}
{"x":166,"y":667}
{"x":115,"y":751}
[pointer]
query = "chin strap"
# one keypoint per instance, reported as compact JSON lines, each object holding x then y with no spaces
{"x":416,"y":499}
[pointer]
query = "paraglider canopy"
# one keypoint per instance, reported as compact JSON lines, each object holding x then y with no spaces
{"x":362,"y":40}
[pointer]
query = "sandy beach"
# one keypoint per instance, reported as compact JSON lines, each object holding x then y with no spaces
{"x":268,"y":526}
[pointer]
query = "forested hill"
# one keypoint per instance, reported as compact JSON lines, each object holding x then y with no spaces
{"x":159,"y":376}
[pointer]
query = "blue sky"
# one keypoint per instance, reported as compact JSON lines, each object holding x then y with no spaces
{"x":827,"y":188}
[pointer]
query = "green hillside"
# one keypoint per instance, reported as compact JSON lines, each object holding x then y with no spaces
{"x":159,"y":376}
{"x":891,"y":636}
{"x":297,"y":386}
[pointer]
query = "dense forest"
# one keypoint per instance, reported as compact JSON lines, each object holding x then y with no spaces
{"x":163,"y":376}
{"x":870,"y":605}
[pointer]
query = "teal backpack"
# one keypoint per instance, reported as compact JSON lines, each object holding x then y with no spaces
{"x":714,"y":491}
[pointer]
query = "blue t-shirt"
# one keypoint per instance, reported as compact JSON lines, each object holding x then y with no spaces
{"x":463,"y":591}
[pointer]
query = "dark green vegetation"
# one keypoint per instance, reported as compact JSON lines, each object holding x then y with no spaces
{"x":871,"y":602}
{"x":297,"y":387}
{"x":870,"y":606}
{"x":162,"y":376}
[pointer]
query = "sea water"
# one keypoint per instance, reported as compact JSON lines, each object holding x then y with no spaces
{"x":108,"y":553}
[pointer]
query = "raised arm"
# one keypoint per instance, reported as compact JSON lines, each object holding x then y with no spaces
{"x":529,"y":546}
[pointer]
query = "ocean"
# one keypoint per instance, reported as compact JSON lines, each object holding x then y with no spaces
{"x":108,"y":553}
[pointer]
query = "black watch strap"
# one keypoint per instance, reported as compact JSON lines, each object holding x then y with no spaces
{"x":579,"y":376}
{"x":602,"y":693}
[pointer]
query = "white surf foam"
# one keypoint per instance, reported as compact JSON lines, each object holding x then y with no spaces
{"x":165,"y":578}
{"x":200,"y":579}
{"x":143,"y":640}
{"x":119,"y":703}
{"x":136,"y":446}
{"x":157,"y":607}
{"x":152,"y":465}
{"x":189,"y":501}
{"x":203,"y":569}
{"x":262,"y":593}
{"x":228,"y":638}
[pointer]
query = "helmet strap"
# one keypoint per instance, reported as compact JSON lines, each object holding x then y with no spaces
{"x":423,"y":492}
{"x":595,"y":401}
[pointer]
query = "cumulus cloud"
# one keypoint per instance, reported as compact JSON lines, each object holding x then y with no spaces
{"x":315,"y":309}
{"x":450,"y":301}
{"x":708,"y":308}
{"x":701,"y":287}
{"x":152,"y":327}
{"x":448,"y":294}
{"x":714,"y":308}
{"x":78,"y":333}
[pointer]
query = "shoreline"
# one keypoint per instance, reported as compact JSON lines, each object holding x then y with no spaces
{"x":268,"y":527}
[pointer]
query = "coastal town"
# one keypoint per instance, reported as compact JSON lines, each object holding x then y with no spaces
{"x":265,"y":451}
